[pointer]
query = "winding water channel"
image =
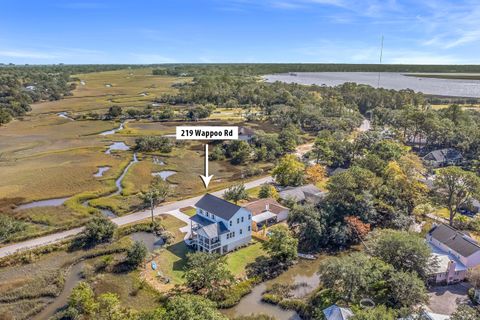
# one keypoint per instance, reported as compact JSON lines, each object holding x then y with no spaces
{"x":113,"y":131}
{"x":74,"y":275}
{"x":60,"y":201}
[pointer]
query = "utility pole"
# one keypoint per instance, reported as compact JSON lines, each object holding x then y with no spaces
{"x":381,"y":57}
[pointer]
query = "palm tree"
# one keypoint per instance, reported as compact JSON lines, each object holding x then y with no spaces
{"x":156,"y":193}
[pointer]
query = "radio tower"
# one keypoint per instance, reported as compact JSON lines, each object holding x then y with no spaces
{"x":381,"y":56}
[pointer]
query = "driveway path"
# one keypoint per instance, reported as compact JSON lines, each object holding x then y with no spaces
{"x":168,"y":208}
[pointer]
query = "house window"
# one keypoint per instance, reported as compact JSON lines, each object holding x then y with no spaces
{"x":230,"y":223}
{"x":249,"y":216}
{"x":228,"y":235}
{"x":249,"y":228}
{"x":233,"y":234}
{"x":238,"y":220}
{"x":241,"y":231}
{"x":242,"y":219}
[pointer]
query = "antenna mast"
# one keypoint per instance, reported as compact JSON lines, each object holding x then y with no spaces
{"x":381,"y":56}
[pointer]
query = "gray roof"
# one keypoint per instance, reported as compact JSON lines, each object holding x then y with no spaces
{"x":245,"y":131}
{"x":335,"y":312}
{"x":454,"y":239}
{"x":444,"y":155}
{"x":214,"y":230}
{"x":201,"y":220}
{"x":300,"y":193}
{"x":219,"y":207}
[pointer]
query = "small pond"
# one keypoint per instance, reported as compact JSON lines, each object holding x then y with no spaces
{"x":117,"y":146}
{"x":101,"y":171}
{"x":164,"y":174}
{"x":151,"y":240}
{"x":65,"y":116}
{"x":42,"y":203}
{"x":158,"y":161}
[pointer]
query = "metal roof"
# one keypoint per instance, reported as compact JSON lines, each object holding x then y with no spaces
{"x":217,"y":206}
{"x":213,"y":230}
{"x":263,"y":216}
{"x":335,"y":312}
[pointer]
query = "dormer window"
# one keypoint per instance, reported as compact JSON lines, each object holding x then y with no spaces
{"x":230,"y":223}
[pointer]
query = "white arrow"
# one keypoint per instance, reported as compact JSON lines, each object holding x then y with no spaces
{"x":206,"y":178}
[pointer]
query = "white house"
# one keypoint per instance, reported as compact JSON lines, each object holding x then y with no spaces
{"x":455,"y":253}
{"x":219,"y":226}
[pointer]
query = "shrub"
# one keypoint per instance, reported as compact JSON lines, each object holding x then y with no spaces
{"x":152,"y":143}
{"x":236,"y":292}
{"x":98,"y":230}
{"x":137,"y":253}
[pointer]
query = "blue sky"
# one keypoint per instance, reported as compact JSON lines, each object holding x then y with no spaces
{"x":140,"y":31}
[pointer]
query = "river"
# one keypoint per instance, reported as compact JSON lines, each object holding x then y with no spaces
{"x":304,"y":272}
{"x":388,"y":80}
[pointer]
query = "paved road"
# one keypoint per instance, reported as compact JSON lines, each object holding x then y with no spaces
{"x":169,"y":208}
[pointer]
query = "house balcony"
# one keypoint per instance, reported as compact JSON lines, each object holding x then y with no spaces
{"x":205,"y":243}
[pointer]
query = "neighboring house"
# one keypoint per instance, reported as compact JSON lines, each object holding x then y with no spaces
{"x":455,"y":252}
{"x":266,"y":212}
{"x":245,"y":134}
{"x":335,"y":312}
{"x":472,"y":207}
{"x":306,"y":193}
{"x":219,"y":226}
{"x":443,"y":157}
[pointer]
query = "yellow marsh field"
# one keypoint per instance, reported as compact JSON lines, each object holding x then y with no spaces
{"x":44,"y":156}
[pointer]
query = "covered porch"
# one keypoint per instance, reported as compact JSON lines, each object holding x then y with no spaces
{"x":265,"y":218}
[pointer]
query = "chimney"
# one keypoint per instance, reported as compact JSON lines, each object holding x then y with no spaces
{"x":267,"y":206}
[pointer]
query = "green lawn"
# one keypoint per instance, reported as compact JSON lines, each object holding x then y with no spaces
{"x":238,"y":260}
